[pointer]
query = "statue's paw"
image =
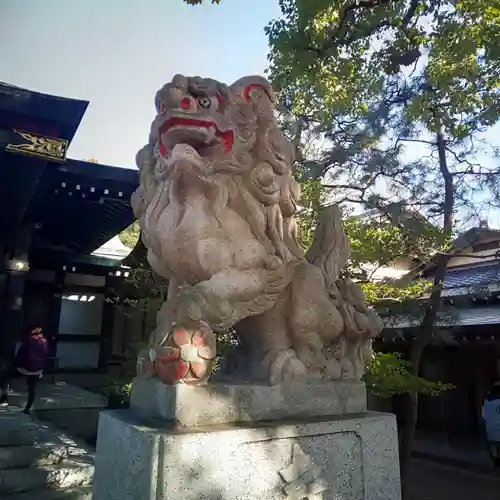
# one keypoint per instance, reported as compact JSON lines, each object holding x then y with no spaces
{"x":367,"y":353}
{"x":186,"y":356}
{"x":192,"y":312}
{"x":273,"y":263}
{"x":333,"y":369}
{"x":294,"y":369}
{"x":311,"y":356}
{"x":145,"y":367}
{"x":284,"y":365}
{"x":349,"y":371}
{"x":158,"y":335}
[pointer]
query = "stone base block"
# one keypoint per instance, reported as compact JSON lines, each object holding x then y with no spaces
{"x":218,"y":403}
{"x":350,"y":458}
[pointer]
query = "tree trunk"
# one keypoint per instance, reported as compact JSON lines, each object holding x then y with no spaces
{"x":424,"y":333}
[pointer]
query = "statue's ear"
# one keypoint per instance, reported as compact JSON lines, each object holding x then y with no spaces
{"x":250,"y":87}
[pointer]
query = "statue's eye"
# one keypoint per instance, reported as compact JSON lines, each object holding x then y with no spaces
{"x":220,"y":100}
{"x":204,"y":102}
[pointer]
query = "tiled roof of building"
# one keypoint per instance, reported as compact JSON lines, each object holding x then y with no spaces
{"x":486,"y":315}
{"x":472,"y":276}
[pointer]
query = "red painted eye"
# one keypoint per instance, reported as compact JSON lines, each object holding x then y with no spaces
{"x":185,"y":103}
{"x":221,"y":100}
{"x":248,"y":90}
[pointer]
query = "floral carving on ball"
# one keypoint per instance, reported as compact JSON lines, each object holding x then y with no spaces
{"x":186,"y":357}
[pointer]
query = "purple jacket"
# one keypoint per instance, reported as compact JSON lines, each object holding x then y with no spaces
{"x":32,"y":354}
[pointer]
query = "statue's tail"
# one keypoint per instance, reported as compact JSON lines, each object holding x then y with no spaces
{"x":330,"y":252}
{"x":330,"y":248}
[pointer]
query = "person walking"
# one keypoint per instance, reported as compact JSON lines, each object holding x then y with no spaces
{"x":30,"y":362}
{"x":491,"y":417}
{"x":4,"y":384}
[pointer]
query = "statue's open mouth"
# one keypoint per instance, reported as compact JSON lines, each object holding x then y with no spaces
{"x":198,"y":133}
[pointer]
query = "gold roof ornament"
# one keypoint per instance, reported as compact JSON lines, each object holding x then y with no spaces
{"x":37,"y":145}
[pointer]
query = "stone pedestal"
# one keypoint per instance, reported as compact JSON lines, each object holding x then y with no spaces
{"x":220,"y":403}
{"x":311,"y":455}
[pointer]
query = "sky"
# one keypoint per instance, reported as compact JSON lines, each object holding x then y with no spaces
{"x":118,"y":53}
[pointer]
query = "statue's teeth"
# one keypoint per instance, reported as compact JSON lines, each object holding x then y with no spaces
{"x":211,"y":134}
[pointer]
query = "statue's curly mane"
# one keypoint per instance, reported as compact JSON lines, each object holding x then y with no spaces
{"x":255,"y":179}
{"x":216,"y":204}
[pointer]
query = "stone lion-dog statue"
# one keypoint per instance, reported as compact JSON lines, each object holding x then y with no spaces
{"x":216,"y":205}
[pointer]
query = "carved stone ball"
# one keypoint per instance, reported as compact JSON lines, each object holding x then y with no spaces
{"x":187,"y":356}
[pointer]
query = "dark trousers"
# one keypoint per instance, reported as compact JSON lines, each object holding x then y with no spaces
{"x":4,"y":386}
{"x":32,"y":381}
{"x":6,"y":367}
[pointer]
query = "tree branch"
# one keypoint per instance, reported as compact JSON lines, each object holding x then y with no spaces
{"x":338,"y":37}
{"x":410,"y":12}
{"x":409,"y":139}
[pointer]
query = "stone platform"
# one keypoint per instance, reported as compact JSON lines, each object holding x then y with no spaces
{"x":247,"y":442}
{"x":219,"y":403}
{"x":350,"y":458}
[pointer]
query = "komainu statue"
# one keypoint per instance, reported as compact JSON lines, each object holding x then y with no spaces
{"x":216,"y":206}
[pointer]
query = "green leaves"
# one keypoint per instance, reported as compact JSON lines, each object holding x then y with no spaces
{"x":388,"y":294}
{"x":380,"y":242}
{"x":375,"y":244}
{"x":313,"y":62}
{"x":389,"y":374}
{"x":379,"y":82}
{"x":331,"y":57}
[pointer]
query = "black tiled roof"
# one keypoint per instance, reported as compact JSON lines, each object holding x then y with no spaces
{"x":49,"y":114}
{"x":80,"y":206}
{"x":472,"y":276}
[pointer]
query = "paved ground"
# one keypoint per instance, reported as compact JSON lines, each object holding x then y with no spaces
{"x":57,"y":396}
{"x":460,"y":449}
{"x":432,"y":481}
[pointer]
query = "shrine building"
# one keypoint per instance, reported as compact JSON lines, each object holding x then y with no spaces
{"x":57,"y":217}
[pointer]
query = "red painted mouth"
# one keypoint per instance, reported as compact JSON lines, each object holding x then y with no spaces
{"x":225,"y":138}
